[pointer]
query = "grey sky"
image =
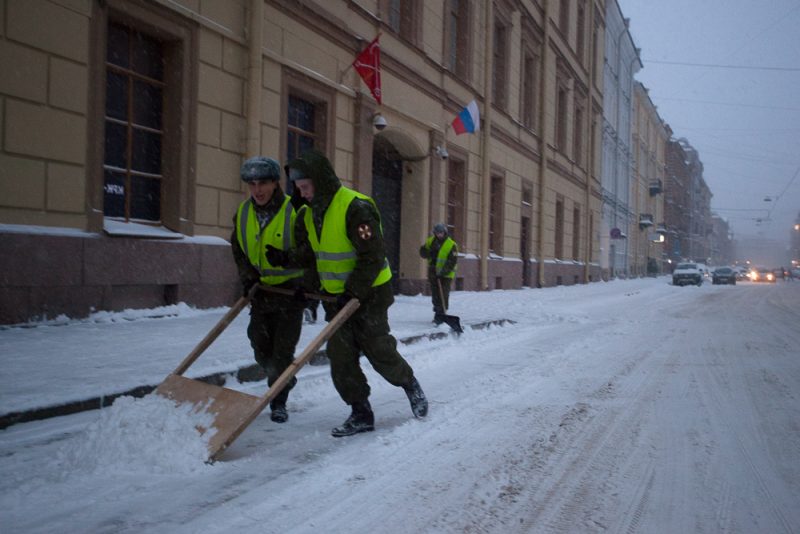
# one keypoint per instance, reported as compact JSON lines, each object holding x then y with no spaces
{"x":744,"y":122}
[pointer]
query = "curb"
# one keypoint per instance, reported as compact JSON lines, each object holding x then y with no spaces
{"x":250,"y":373}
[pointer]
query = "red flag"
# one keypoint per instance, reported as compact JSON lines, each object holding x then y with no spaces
{"x":368,"y":66}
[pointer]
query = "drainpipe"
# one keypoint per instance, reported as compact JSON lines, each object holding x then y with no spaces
{"x":589,"y":150}
{"x":542,"y":145}
{"x":486,"y":128}
{"x":254,"y":75}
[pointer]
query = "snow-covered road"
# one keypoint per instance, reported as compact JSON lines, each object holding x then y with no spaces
{"x":629,"y":406}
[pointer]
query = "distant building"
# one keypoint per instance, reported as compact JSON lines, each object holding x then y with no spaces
{"x":650,"y":136}
{"x":721,"y":242}
{"x":621,"y":63}
{"x":687,"y":205}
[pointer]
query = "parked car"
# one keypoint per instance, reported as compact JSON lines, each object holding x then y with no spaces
{"x":687,"y":273}
{"x":724,"y":275}
{"x":761,"y":274}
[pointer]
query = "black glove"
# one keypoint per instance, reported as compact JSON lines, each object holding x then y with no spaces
{"x":277,"y":257}
{"x":297,"y":200}
{"x":300,"y":295}
{"x":247,"y":285}
{"x":343,"y":299}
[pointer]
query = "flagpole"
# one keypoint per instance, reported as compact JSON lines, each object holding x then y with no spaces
{"x":342,"y":73}
{"x":350,"y":66}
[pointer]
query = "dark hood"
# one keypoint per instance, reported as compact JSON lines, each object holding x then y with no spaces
{"x":313,"y":164}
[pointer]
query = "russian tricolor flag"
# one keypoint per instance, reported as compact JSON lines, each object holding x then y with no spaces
{"x":469,"y":120}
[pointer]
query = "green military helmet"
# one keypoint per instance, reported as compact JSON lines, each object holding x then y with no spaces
{"x":260,"y":168}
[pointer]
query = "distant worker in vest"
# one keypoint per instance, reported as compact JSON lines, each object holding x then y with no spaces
{"x":340,"y":235}
{"x":267,"y":217}
{"x":442,"y":254}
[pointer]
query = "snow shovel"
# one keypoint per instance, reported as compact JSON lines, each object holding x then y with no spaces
{"x":233,"y":410}
{"x":453,"y":321}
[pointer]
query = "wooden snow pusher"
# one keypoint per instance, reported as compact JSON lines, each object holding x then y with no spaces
{"x":233,"y":410}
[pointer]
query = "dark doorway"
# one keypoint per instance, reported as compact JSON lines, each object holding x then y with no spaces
{"x":524,"y":251}
{"x":387,"y":191}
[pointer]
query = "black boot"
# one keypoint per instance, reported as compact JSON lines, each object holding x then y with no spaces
{"x":419,"y":404}
{"x":361,"y":420}
{"x":278,"y":404}
{"x":279,"y":413}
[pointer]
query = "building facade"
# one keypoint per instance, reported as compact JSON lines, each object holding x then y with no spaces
{"x":650,"y":136}
{"x":722,"y":249}
{"x":618,"y":217}
{"x":687,"y":205}
{"x":125,"y":123}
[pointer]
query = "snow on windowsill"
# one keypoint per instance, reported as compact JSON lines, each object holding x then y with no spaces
{"x":131,"y":229}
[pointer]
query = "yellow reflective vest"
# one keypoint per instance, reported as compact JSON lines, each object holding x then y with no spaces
{"x":441,"y":257}
{"x":336,"y":256}
{"x":254,"y":240}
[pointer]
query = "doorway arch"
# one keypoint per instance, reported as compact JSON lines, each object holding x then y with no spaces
{"x":390,"y":149}
{"x":387,"y":191}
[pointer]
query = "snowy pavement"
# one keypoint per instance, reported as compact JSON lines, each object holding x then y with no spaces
{"x":627,"y":406}
{"x":65,"y":361}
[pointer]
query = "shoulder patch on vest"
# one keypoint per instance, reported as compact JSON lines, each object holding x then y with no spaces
{"x":364,"y":231}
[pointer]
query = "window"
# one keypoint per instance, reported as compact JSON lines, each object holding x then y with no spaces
{"x":561,"y":114}
{"x":593,"y":145}
{"x":457,"y":38}
{"x":496,"y":216}
{"x":401,"y":17}
{"x":499,"y":77}
{"x":576,"y":233}
{"x":456,"y":180}
{"x":594,"y":52}
{"x":563,"y":18}
{"x":530,"y":68}
{"x":559,"y":237}
{"x":577,"y":135}
{"x":307,"y":106}
{"x":302,"y":127}
{"x":134,"y":110}
{"x":580,"y":38}
{"x":140,"y":168}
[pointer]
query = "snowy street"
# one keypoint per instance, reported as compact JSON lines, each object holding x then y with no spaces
{"x":624,"y":406}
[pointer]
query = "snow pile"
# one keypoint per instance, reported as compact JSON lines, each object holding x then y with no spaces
{"x":147,"y":435}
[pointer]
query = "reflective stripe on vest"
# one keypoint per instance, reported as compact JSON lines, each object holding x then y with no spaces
{"x":441,"y":257}
{"x":336,"y":256}
{"x":253,"y":240}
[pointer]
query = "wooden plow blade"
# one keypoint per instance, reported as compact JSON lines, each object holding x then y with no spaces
{"x":233,"y":410}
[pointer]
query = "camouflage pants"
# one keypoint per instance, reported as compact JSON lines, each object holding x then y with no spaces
{"x":274,"y":333}
{"x":441,"y":300}
{"x":366,"y":331}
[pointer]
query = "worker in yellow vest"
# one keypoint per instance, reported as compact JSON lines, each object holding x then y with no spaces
{"x":267,"y":217}
{"x":442,"y":254}
{"x":339,"y":233}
